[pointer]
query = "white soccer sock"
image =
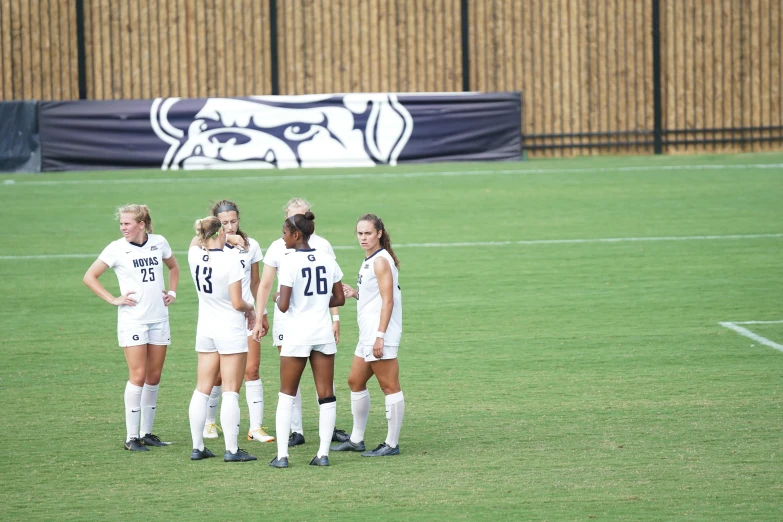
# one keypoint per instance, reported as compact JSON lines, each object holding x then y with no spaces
{"x":149,"y":401}
{"x":197,"y":413}
{"x":360,"y":408}
{"x":326,"y":420}
{"x":395,"y":411}
{"x":132,"y":410}
{"x":296,"y":413}
{"x":229,"y":420}
{"x":212,"y":405}
{"x":254,"y":392}
{"x":285,"y":404}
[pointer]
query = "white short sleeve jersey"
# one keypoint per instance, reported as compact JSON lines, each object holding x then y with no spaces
{"x":277,"y":252}
{"x":368,"y":307}
{"x":311,"y":275}
{"x":212,"y":273}
{"x":247,"y":258}
{"x":139,"y":267}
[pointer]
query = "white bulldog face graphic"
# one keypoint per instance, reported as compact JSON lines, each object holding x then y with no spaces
{"x":282,"y":131}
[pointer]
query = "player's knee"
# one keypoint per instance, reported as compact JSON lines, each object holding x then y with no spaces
{"x":389,"y":389}
{"x":355,"y":384}
{"x":251,"y":374}
{"x":152,"y":378}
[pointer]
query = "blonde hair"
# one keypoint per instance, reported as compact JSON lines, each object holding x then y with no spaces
{"x":296,"y":203}
{"x":141,"y":213}
{"x":206,"y":228}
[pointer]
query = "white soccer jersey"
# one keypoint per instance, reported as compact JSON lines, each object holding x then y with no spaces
{"x":311,"y":275}
{"x":139,"y":267}
{"x":277,"y":252}
{"x":212,"y":273}
{"x":247,"y":258}
{"x":368,"y":307}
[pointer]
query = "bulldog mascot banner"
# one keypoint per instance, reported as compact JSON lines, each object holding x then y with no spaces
{"x":262,"y":132}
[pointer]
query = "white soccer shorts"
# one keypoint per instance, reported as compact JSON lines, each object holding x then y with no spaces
{"x":303,"y":350}
{"x":141,"y":334}
{"x":365,"y":352}
{"x":222,"y":346}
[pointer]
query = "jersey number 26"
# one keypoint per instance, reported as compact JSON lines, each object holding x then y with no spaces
{"x":321,"y":284}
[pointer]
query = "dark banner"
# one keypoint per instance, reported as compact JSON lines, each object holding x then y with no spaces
{"x":345,"y":130}
{"x":19,"y":145}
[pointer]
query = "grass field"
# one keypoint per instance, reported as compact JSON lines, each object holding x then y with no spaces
{"x":548,"y":375}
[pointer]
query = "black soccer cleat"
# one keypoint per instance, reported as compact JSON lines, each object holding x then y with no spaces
{"x":279,"y":463}
{"x":348,"y":445}
{"x":152,"y":440}
{"x":320,"y":461}
{"x":135,"y":445}
{"x":383,"y":450}
{"x":296,"y":439}
{"x":240,"y":456}
{"x":340,"y":436}
{"x":198,"y":454}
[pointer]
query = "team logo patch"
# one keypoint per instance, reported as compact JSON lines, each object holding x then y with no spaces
{"x":153,"y":248}
{"x":258,"y":132}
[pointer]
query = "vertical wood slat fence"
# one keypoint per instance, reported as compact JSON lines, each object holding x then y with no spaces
{"x":586,"y":68}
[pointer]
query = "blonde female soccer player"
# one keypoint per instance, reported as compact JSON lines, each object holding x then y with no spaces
{"x":310,"y":284}
{"x":142,"y":314}
{"x":379,"y":313}
{"x":272,"y":261}
{"x":250,"y":255}
{"x":221,"y":335}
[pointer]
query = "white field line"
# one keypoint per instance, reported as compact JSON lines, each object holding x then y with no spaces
{"x":473,"y":244}
{"x":757,"y":322}
{"x":750,"y":335}
{"x":383,"y":175}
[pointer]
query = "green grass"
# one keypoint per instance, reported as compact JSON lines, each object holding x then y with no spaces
{"x":543,"y":381}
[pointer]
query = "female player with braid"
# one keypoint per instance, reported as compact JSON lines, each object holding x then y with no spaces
{"x":221,"y":335}
{"x":379,"y":313}
{"x":250,"y":255}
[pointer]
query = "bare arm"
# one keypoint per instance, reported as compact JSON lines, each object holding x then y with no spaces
{"x":265,"y":285}
{"x":91,"y":280}
{"x":239,"y":304}
{"x":386,"y":287}
{"x":173,"y":266}
{"x":255,"y":279}
{"x":284,"y":300}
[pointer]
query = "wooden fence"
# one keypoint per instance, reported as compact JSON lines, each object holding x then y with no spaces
{"x":586,"y":67}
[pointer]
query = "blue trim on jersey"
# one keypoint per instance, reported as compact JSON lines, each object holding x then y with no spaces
{"x":306,"y":250}
{"x":373,"y":254}
{"x":215,"y":249}
{"x":140,"y":245}
{"x":229,"y":246}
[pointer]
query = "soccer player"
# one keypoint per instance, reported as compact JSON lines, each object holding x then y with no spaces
{"x":310,"y":284}
{"x":379,"y":313}
{"x":221,"y":335}
{"x":142,"y":314}
{"x":250,"y":255}
{"x":274,"y":257}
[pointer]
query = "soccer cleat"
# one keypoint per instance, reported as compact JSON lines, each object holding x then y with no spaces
{"x":348,"y":446}
{"x":260,"y":435}
{"x":198,"y":454}
{"x":296,"y":439}
{"x":320,"y":461}
{"x":279,"y":463}
{"x":153,"y":440}
{"x":340,"y":436}
{"x":135,"y":444}
{"x":383,"y":450}
{"x":211,"y":430}
{"x":240,"y":456}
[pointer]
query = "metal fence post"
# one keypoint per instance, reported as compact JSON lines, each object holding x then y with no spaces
{"x":81,"y":50}
{"x":657,"y":97}
{"x":465,"y":46}
{"x":273,"y":47}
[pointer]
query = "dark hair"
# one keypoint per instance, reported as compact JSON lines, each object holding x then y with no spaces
{"x":385,"y":239}
{"x":226,"y":205}
{"x":304,"y":223}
